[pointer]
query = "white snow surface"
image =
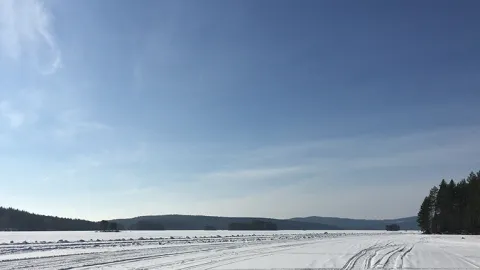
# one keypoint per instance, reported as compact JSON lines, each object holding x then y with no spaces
{"x":219,"y":250}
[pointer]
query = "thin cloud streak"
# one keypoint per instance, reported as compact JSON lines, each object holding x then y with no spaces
{"x":13,"y":117}
{"x":308,"y":180}
{"x":26,"y":32}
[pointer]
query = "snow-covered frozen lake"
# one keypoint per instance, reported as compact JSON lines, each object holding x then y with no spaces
{"x":237,"y":250}
{"x":18,"y":237}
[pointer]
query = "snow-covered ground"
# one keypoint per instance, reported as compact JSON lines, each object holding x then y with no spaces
{"x":237,"y":250}
{"x":6,"y":237}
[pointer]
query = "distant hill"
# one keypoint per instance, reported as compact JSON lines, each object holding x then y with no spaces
{"x":408,"y":223}
{"x":18,"y":220}
{"x":187,"y":222}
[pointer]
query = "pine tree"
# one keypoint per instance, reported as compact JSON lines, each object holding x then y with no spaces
{"x":460,"y":204}
{"x":441,"y":207}
{"x":433,"y":213}
{"x":473,"y":203}
{"x":452,"y":209}
{"x":423,"y":218}
{"x":103,"y":225}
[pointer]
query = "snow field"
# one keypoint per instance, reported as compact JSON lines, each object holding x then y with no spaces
{"x":54,"y":236}
{"x":239,"y":250}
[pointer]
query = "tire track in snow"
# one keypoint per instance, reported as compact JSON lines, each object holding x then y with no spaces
{"x":353,"y":261}
{"x":369,"y":254}
{"x":203,"y":262}
{"x":465,"y":260}
{"x":392,"y":259}
{"x":405,"y":254}
{"x":368,"y":261}
{"x":128,"y":260}
{"x":208,"y":255}
{"x":227,"y":261}
{"x":138,"y":258}
{"x":461,"y":258}
{"x":86,"y":260}
{"x":385,"y":258}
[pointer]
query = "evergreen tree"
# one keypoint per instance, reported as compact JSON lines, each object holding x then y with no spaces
{"x":147,"y":225}
{"x":112,"y":226}
{"x":452,"y":208}
{"x":423,"y":217}
{"x":441,"y":207}
{"x":433,"y":213}
{"x":473,"y":203}
{"x":103,"y":225}
{"x":460,"y":202}
{"x":16,"y":220}
{"x":392,"y":227}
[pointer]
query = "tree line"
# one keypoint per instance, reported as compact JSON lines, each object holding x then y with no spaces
{"x":452,"y":207}
{"x":146,"y":225}
{"x":17,"y":220}
{"x":255,"y":225}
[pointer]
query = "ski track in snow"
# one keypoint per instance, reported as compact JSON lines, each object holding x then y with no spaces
{"x":292,"y":250}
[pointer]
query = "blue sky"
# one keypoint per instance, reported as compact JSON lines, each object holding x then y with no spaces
{"x":241,"y":108}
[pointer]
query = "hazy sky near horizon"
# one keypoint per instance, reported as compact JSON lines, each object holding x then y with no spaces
{"x":121,"y":108}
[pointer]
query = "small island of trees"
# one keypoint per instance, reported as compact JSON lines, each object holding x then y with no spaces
{"x":392,"y":227}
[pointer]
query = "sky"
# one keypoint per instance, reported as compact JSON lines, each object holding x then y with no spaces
{"x":116,"y":108}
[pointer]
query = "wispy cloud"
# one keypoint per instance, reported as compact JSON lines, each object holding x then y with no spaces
{"x":74,"y":122}
{"x":258,"y":174}
{"x":72,"y":129}
{"x":309,"y":175}
{"x":22,"y":107}
{"x":124,"y":155}
{"x":14,"y":118}
{"x":304,"y":200}
{"x":26,"y":32}
{"x":368,"y":152}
